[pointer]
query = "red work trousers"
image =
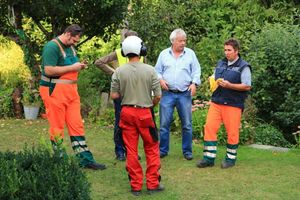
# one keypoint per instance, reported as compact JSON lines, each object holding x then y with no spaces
{"x":231,"y":118}
{"x":63,"y":107}
{"x":135,"y":122}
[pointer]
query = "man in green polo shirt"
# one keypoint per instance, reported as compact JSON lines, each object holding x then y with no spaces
{"x":58,"y":89}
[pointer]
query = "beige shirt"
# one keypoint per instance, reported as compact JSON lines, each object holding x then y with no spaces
{"x":135,"y":83}
{"x":108,"y":63}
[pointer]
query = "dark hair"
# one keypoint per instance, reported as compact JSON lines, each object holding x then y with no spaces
{"x":130,"y":33}
{"x":131,"y":55}
{"x":234,"y":43}
{"x":74,"y":29}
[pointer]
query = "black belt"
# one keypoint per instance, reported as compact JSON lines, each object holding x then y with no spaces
{"x":177,"y":91}
{"x":135,"y":106}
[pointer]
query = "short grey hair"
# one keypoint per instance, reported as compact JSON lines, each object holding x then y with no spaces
{"x":175,"y":33}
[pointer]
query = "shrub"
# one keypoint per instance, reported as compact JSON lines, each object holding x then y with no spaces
{"x":276,"y":84}
{"x":39,"y":174}
{"x":93,"y":81}
{"x":13,"y":71}
{"x":269,"y":135}
{"x":207,"y":24}
{"x":6,"y":106}
{"x":199,"y":112}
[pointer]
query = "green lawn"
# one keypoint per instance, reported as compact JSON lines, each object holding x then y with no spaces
{"x":259,"y":174}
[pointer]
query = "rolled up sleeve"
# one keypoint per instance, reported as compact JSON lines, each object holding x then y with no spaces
{"x":115,"y":83}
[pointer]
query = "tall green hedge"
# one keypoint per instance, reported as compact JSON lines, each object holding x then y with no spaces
{"x":276,"y":82}
{"x":38,"y":174}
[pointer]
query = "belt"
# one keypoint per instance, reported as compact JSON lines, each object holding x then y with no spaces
{"x":176,"y":91}
{"x":135,"y":106}
{"x":54,"y":80}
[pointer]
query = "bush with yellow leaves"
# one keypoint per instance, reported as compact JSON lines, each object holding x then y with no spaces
{"x":13,"y":71}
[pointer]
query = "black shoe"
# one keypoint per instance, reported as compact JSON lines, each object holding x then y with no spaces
{"x":204,"y":163}
{"x":95,"y":166}
{"x":136,"y":192}
{"x":159,"y":188}
{"x":120,"y":157}
{"x":226,"y":164}
{"x":188,"y":156}
{"x":163,"y":155}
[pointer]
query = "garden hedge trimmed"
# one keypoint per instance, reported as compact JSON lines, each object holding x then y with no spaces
{"x":38,"y":173}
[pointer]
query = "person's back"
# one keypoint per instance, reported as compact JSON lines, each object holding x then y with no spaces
{"x":108,"y":64}
{"x":136,"y":80}
{"x":133,"y":83}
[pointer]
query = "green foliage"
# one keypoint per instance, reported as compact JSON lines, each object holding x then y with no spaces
{"x":32,"y":24}
{"x":89,"y":88}
{"x":207,"y":23}
{"x":93,"y":15}
{"x":199,"y":112}
{"x":30,"y":96}
{"x":39,"y":174}
{"x":107,"y":118}
{"x":93,"y":81}
{"x":97,"y":47}
{"x":276,"y":83}
{"x":13,"y":71}
{"x":269,"y":135}
{"x":6,"y":106}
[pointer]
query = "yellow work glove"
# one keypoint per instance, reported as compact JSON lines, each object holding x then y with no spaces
{"x":214,"y":83}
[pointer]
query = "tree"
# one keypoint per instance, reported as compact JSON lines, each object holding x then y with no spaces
{"x":52,"y":16}
{"x":24,"y":20}
{"x":207,"y":23}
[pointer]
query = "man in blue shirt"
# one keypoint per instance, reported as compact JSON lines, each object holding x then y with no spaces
{"x":178,"y":70}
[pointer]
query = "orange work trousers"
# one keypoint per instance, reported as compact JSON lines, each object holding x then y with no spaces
{"x":63,"y":107}
{"x":229,"y":116}
{"x":135,"y":122}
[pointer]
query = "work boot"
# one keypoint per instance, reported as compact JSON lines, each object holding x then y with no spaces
{"x":188,"y":156}
{"x":120,"y":157}
{"x":159,"y":188}
{"x":136,"y":192}
{"x":95,"y":166}
{"x":162,"y":155}
{"x":226,"y":164}
{"x":204,"y":163}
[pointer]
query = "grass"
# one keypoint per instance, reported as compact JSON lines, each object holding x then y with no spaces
{"x":259,"y":174}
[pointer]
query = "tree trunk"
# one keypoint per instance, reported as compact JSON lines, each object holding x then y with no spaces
{"x":17,"y":105}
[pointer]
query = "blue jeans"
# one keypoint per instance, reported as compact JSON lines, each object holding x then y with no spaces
{"x":183,"y":103}
{"x":119,"y":149}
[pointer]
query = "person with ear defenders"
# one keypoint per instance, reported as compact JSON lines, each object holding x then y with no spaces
{"x":108,"y":64}
{"x":134,"y":83}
